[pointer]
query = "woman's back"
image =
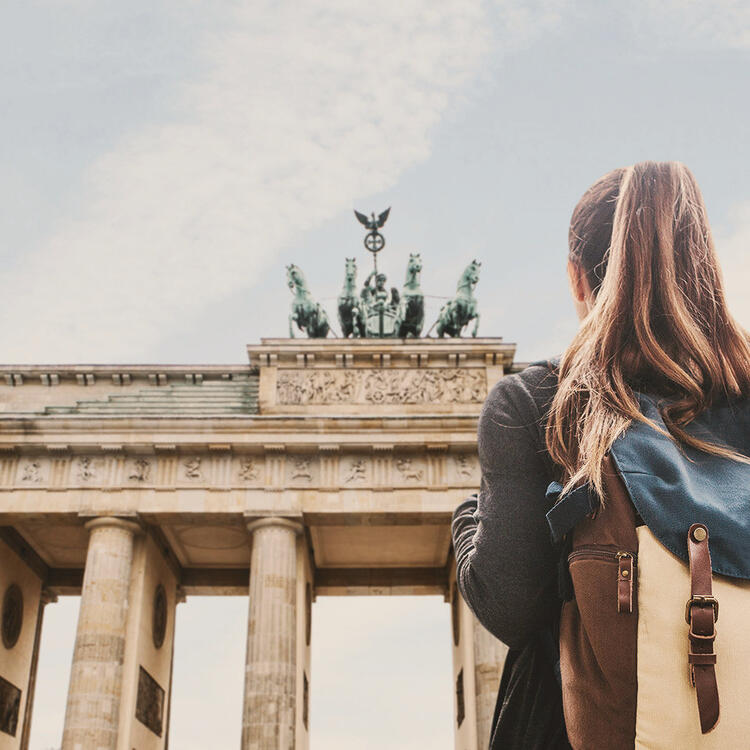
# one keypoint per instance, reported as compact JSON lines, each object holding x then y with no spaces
{"x":648,"y":288}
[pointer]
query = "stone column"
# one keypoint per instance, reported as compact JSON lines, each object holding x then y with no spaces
{"x":45,"y":598}
{"x":92,"y":713}
{"x":269,"y":711}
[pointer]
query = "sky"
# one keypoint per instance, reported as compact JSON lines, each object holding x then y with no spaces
{"x":163,"y":162}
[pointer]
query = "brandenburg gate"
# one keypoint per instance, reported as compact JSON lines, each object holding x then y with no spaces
{"x":326,"y":466}
{"x":323,"y":467}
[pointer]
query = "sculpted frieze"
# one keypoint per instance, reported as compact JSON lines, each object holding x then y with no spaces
{"x":377,"y":469}
{"x":449,"y":385}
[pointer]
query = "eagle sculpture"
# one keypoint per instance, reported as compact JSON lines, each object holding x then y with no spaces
{"x":373,"y":224}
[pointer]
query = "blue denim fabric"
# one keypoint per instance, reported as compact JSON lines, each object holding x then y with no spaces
{"x":563,"y":516}
{"x":674,"y":487}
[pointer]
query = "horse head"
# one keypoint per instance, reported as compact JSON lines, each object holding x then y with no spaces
{"x":295,"y":279}
{"x":294,"y":276}
{"x":470,"y":276}
{"x":413,"y":268}
{"x":350,"y":276}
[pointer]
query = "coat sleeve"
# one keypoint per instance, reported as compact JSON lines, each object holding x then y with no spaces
{"x":506,"y":566}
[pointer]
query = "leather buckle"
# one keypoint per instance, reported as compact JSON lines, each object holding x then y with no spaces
{"x":698,"y":637}
{"x":700,"y":600}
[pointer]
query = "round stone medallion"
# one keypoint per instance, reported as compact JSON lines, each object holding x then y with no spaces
{"x":455,"y":615}
{"x":12,"y":615}
{"x":159,"y":628}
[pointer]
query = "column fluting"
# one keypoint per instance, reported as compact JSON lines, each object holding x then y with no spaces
{"x":269,"y":713}
{"x":93,"y":708}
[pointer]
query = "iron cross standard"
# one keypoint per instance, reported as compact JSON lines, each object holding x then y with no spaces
{"x":374,"y":241}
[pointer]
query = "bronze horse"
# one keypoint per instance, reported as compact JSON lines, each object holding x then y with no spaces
{"x":412,"y":300}
{"x":462,"y":309}
{"x":306,"y":312}
{"x":350,"y":313}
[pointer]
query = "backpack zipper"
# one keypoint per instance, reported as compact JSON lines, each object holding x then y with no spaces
{"x":605,"y":553}
{"x":626,"y":562}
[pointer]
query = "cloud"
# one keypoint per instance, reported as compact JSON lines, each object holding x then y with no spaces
{"x":733,"y":245}
{"x":686,"y":24}
{"x":523,"y":21}
{"x":692,"y":24}
{"x":299,"y":108}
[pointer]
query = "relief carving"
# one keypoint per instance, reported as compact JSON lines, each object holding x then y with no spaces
{"x":450,"y":385}
{"x":329,"y":469}
{"x":301,"y":469}
{"x":86,"y":470}
{"x":357,"y":471}
{"x":141,"y":470}
{"x":317,"y":387}
{"x":193,"y":468}
{"x":368,"y":386}
{"x":464,"y":467}
{"x":149,"y":705}
{"x":10,"y":706}
{"x":248,"y":471}
{"x":407,"y":470}
{"x":12,"y":615}
{"x":32,"y":472}
{"x":159,"y":619}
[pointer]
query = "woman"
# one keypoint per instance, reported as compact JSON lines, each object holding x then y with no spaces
{"x":647,"y":287}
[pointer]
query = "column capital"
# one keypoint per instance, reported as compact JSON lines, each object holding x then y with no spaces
{"x":279,"y":521}
{"x":112,"y":521}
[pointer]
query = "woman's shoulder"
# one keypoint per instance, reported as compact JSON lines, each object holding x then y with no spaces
{"x":511,"y":429}
{"x":527,"y":393}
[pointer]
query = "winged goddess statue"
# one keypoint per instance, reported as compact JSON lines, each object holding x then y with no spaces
{"x":374,"y":241}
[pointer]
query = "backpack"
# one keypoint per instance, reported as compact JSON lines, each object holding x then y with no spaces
{"x":642,"y":662}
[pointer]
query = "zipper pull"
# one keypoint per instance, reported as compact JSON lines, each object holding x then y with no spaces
{"x":624,"y":582}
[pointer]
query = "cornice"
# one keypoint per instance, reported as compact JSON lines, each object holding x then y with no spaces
{"x":35,"y":425}
{"x":407,"y":353}
{"x":118,"y":374}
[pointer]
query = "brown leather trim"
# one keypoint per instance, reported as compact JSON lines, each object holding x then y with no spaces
{"x":701,"y":613}
{"x":624,"y":582}
{"x":598,"y":634}
{"x":701,"y":658}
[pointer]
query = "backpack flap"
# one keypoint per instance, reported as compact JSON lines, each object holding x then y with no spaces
{"x":673,"y":487}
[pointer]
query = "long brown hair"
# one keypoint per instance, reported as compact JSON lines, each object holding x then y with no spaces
{"x":659,"y":320}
